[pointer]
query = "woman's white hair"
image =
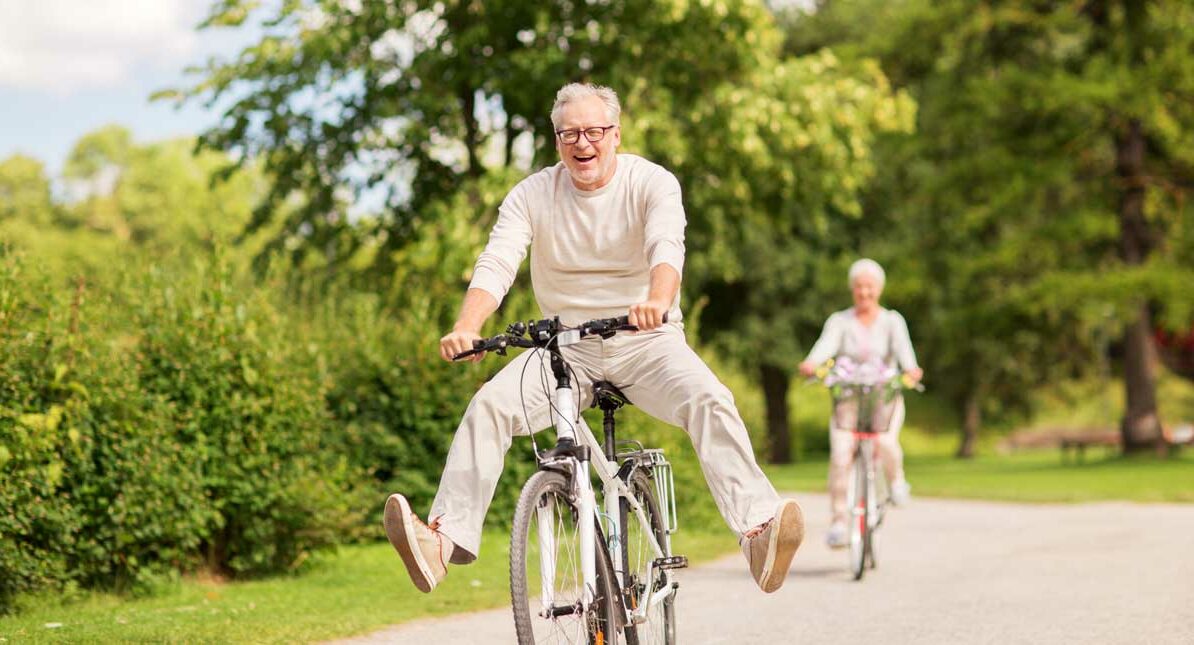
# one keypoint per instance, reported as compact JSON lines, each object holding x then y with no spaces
{"x":576,"y":91}
{"x":868,"y":266}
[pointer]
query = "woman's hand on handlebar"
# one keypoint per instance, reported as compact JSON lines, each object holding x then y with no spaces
{"x":807,"y":369}
{"x":459,"y":341}
{"x":648,"y":315}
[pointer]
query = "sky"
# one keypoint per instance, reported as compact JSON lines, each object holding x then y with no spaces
{"x":68,"y":67}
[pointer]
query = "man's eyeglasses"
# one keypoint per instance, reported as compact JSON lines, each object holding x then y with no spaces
{"x":569,"y":137}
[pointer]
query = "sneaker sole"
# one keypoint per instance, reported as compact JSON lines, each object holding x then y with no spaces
{"x":400,"y":530}
{"x":785,"y":540}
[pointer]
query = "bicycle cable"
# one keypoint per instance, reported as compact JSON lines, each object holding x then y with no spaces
{"x":543,"y":381}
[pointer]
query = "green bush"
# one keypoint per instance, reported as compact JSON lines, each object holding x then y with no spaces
{"x":250,"y":413}
{"x":158,"y":425}
{"x":36,"y":524}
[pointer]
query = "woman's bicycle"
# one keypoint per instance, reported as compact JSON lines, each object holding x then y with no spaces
{"x":579,"y":572}
{"x":864,"y":399}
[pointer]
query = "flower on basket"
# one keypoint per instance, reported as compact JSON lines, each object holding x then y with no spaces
{"x":846,"y":372}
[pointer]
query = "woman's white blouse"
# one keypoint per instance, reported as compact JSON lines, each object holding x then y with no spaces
{"x":886,"y":340}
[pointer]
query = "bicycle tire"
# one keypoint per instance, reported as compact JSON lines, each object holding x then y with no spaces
{"x":859,"y":522}
{"x":599,"y":625}
{"x":660,"y":627}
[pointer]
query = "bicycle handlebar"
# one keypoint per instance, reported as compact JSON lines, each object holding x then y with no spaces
{"x":546,"y":331}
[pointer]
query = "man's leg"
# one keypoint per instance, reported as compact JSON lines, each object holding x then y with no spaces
{"x":494,"y":416}
{"x":664,"y":377}
{"x":502,"y":408}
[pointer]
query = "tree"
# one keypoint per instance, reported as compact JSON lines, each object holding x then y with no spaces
{"x":407,"y":103}
{"x":774,"y":166}
{"x":444,"y":92}
{"x":1046,"y":133}
{"x":25,"y":191}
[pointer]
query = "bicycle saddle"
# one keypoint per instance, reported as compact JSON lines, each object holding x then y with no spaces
{"x":607,"y":395}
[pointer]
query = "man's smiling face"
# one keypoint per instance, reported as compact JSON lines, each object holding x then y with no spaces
{"x":591,"y":165}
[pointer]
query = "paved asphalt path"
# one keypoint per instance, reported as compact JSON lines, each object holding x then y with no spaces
{"x":949,"y":572}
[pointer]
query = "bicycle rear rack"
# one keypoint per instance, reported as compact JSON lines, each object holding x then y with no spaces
{"x":665,"y":486}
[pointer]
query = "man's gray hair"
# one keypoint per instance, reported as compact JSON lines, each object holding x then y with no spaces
{"x":576,"y":91}
{"x":867,"y":265}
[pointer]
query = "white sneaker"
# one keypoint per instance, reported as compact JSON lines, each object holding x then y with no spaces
{"x":901,"y":492}
{"x":838,"y":536}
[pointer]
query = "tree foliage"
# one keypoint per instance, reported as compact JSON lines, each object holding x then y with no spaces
{"x":1013,"y":188}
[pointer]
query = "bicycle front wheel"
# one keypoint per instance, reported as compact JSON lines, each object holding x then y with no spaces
{"x":638,"y":583}
{"x":546,"y":580}
{"x":859,"y":524}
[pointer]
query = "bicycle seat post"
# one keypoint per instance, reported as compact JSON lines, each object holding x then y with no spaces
{"x":609,"y":398}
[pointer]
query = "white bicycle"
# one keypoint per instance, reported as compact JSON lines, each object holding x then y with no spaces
{"x":580,"y":572}
{"x":864,"y":397}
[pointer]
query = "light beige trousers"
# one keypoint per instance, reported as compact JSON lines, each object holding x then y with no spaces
{"x":660,"y":374}
{"x":841,"y":457}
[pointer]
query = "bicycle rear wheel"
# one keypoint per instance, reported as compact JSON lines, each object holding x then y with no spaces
{"x":546,"y":580}
{"x":858,"y":502}
{"x":659,"y":628}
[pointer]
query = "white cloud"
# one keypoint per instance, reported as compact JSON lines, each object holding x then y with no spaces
{"x":66,"y":46}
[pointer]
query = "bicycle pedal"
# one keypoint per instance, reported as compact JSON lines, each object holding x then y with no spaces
{"x":671,"y":562}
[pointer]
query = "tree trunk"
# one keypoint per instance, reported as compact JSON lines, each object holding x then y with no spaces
{"x":972,"y":419}
{"x":1140,"y":427}
{"x":511,"y":134}
{"x":775,"y":391}
{"x":472,"y":131}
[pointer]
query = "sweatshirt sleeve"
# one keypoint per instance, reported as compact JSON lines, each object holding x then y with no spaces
{"x":830,"y":342}
{"x":665,"y":221}
{"x":901,"y":343}
{"x":497,"y":266}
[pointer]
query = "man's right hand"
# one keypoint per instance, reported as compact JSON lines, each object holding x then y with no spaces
{"x":457,"y":342}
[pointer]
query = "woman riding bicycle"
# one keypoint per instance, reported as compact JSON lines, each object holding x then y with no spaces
{"x":866,"y":333}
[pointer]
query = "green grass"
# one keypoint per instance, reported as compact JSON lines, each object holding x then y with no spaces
{"x":355,"y":591}
{"x":1027,"y":477}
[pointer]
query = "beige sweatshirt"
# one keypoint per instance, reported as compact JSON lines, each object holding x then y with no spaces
{"x":591,"y":251}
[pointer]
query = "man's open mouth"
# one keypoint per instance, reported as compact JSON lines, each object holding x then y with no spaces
{"x":584,"y":159}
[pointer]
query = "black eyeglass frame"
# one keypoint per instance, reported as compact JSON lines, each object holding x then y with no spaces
{"x":585,"y":131}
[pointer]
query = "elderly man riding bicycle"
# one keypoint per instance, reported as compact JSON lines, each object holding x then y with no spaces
{"x":606,"y":237}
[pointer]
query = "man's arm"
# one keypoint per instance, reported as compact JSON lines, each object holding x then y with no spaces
{"x":665,"y":284}
{"x":493,"y":274}
{"x":478,"y":306}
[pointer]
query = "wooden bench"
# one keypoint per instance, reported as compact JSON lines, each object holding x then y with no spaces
{"x":1071,"y":441}
{"x":1077,"y":443}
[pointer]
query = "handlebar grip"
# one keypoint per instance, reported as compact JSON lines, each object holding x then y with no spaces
{"x":624,"y":321}
{"x":478,"y":347}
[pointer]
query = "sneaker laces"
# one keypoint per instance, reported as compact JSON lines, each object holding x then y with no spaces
{"x":752,"y":533}
{"x":433,"y":526}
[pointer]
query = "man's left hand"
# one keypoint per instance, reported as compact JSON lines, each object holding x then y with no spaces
{"x":648,"y":315}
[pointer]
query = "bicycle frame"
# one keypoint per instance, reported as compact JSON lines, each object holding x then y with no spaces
{"x":577,"y":462}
